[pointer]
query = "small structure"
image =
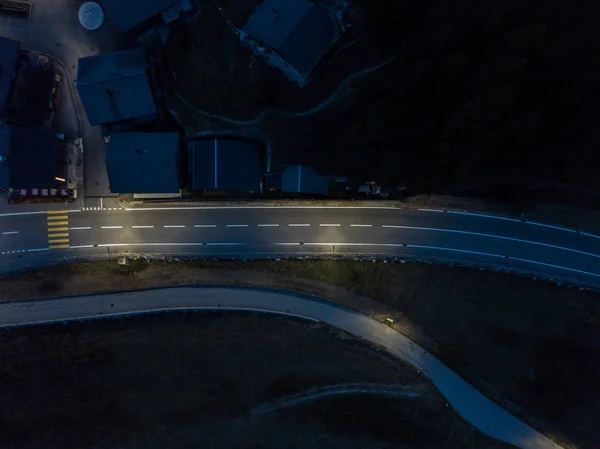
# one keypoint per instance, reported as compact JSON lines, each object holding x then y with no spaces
{"x":136,"y":16}
{"x":91,"y":16}
{"x":299,"y":30}
{"x":115,"y":87}
{"x":9,"y":55}
{"x":143,"y":163}
{"x":224,"y":164}
{"x":300,"y":179}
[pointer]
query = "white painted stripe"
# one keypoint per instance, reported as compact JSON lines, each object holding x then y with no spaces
{"x":477,"y":234}
{"x":16,"y":214}
{"x":111,"y":227}
{"x":103,"y":245}
{"x":205,"y":226}
{"x":267,"y":225}
{"x":430,"y":210}
{"x":81,"y":246}
{"x":360,"y":226}
{"x":483,"y":216}
{"x":591,"y":235}
{"x":261,"y":207}
{"x":80,"y":228}
{"x":479,"y":253}
{"x":173,"y":226}
{"x":555,"y":266}
{"x":330,"y":225}
{"x":237,"y":226}
{"x":142,"y":227}
{"x":535,"y":223}
{"x":35,"y":250}
{"x":10,"y":232}
{"x":296,"y":225}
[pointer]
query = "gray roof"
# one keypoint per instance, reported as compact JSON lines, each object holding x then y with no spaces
{"x":115,"y":87}
{"x":33,"y":160}
{"x":143,"y":163}
{"x":300,"y":30}
{"x":298,"y":178}
{"x":137,"y":12}
{"x":226,"y":165}
{"x":9,"y":52}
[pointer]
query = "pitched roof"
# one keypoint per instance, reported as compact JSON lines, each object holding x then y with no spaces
{"x":9,"y":52}
{"x":143,"y":163}
{"x":33,"y":157}
{"x":137,"y":12}
{"x":298,"y":178}
{"x":300,"y":30}
{"x":115,"y":87}
{"x":226,"y":165}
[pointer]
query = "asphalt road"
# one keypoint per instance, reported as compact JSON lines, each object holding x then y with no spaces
{"x":466,"y":400}
{"x":273,"y":231}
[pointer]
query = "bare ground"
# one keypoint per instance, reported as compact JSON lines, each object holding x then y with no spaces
{"x":208,"y":380}
{"x":530,"y":345}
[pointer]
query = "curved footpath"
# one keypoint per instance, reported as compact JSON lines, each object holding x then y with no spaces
{"x":465,"y":399}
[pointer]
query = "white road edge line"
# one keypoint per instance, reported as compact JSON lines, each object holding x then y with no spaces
{"x":237,"y":226}
{"x":360,"y":226}
{"x":590,"y":235}
{"x":173,"y":226}
{"x":80,"y":227}
{"x":104,"y":245}
{"x":329,"y":225}
{"x":296,"y":225}
{"x":472,"y":214}
{"x":10,"y":232}
{"x":535,"y":223}
{"x":81,"y":246}
{"x":205,"y":226}
{"x":513,"y":239}
{"x":111,"y":227}
{"x":267,"y":225}
{"x":35,"y":250}
{"x":430,"y":210}
{"x":142,"y":227}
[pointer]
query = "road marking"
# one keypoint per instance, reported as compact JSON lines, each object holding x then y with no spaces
{"x":296,"y":225}
{"x":103,"y":245}
{"x":58,"y":246}
{"x":58,"y":240}
{"x":61,"y":234}
{"x":15,"y":214}
{"x":82,"y":246}
{"x":267,"y":225}
{"x":513,"y":239}
{"x":58,"y":223}
{"x":430,"y":210}
{"x":205,"y":226}
{"x":237,"y":226}
{"x":10,"y":232}
{"x":591,"y":235}
{"x":57,"y":212}
{"x":535,"y":223}
{"x":58,"y":229}
{"x":173,"y":226}
{"x":111,"y":227}
{"x":35,"y":250}
{"x":555,"y":266}
{"x":54,"y":229}
{"x":81,"y":228}
{"x":58,"y":217}
{"x":483,"y":216}
{"x":142,"y":227}
{"x":360,"y":226}
{"x":329,"y":225}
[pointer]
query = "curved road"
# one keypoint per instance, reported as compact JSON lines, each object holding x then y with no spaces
{"x":466,"y":400}
{"x":281,"y":231}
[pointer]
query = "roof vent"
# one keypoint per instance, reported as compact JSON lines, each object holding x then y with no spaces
{"x":91,"y":16}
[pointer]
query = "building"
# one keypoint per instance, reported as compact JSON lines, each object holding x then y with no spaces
{"x":143,"y":163}
{"x":224,"y":164}
{"x":31,"y":157}
{"x":9,"y":55}
{"x":301,"y":179}
{"x":139,"y":15}
{"x":115,"y":87}
{"x":299,"y":30}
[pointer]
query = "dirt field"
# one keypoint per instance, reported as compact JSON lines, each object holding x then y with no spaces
{"x":530,"y":345}
{"x":213,"y":381}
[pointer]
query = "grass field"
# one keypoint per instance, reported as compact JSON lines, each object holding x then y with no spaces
{"x":213,"y":381}
{"x":530,"y":345}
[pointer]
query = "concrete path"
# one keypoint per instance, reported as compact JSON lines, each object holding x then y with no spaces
{"x":482,"y":413}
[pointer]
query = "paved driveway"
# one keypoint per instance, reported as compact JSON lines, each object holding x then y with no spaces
{"x":54,"y":29}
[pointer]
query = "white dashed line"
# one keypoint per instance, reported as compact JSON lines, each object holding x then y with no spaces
{"x":174,"y":226}
{"x":142,"y":227}
{"x":360,"y":226}
{"x":330,"y":225}
{"x":35,"y":250}
{"x":237,"y":226}
{"x":111,"y":227}
{"x":80,"y":228}
{"x":205,"y":226}
{"x":296,"y":225}
{"x":10,"y":232}
{"x":267,"y":225}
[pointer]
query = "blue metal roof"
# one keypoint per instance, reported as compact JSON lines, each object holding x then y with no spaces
{"x":301,"y":179}
{"x":9,"y":53}
{"x":300,"y":30}
{"x":115,"y":87}
{"x":136,"y":12}
{"x":143,"y":163}
{"x":226,"y":165}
